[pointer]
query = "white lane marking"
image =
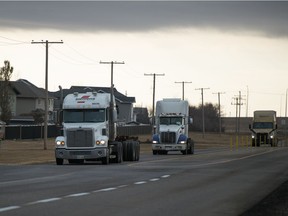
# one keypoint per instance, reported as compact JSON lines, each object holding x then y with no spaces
{"x":45,"y":200}
{"x":78,"y":194}
{"x":9,"y":208}
{"x":104,"y":190}
{"x":141,"y":182}
{"x":154,"y":179}
{"x":122,"y":186}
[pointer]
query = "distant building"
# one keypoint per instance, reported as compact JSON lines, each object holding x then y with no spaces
{"x":141,"y":114}
{"x":25,"y":97}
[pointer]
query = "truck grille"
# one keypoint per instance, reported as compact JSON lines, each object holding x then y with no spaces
{"x":168,"y":137}
{"x":79,"y":138}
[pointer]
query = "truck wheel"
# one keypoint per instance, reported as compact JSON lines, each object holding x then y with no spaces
{"x":125,"y":151}
{"x":192,"y":147}
{"x":105,"y":160}
{"x":131,"y":150}
{"x":137,"y":150}
{"x":154,"y":152}
{"x":117,"y":151}
{"x":118,"y":158}
{"x":59,"y":161}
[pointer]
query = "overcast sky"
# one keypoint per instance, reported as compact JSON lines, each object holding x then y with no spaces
{"x":269,"y":18}
{"x":226,"y":46}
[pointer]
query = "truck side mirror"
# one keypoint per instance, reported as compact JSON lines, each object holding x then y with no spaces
{"x":60,"y":117}
{"x":249,"y":126}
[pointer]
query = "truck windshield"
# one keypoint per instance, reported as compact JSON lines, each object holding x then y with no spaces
{"x":262,"y":125}
{"x":87,"y":115}
{"x":170,"y":120}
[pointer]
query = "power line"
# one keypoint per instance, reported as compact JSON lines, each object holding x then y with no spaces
{"x":153,"y":102}
{"x":46,"y":86}
{"x":18,"y":41}
{"x":183,"y":82}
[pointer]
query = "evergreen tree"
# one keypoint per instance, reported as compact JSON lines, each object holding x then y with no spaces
{"x":5,"y":75}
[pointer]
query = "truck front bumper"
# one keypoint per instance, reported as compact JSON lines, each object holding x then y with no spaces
{"x":80,"y":153}
{"x":169,"y":147}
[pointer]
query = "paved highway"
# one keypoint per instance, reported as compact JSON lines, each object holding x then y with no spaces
{"x":210,"y":182}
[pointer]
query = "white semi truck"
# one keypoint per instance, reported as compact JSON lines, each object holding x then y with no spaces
{"x":89,"y":131}
{"x":264,"y":128}
{"x":171,"y":127}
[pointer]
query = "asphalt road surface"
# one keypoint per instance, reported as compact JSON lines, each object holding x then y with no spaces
{"x":210,"y":182}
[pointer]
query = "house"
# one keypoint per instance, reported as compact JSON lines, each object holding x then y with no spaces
{"x":124,"y":103}
{"x":25,"y":97}
{"x":142,"y":115}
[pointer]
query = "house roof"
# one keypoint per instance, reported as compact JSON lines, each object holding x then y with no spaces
{"x":82,"y":89}
{"x":25,"y":89}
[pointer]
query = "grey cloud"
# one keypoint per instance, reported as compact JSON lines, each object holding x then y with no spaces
{"x":270,"y":18}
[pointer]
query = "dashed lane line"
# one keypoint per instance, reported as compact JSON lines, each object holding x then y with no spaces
{"x":9,"y":208}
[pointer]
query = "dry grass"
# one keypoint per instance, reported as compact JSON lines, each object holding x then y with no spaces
{"x":32,"y":151}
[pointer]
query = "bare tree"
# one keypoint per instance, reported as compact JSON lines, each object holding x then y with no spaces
{"x":5,"y":75}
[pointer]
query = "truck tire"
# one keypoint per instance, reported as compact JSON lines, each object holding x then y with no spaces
{"x":131,"y":151}
{"x":189,"y":146}
{"x":106,"y":160}
{"x":191,"y":150}
{"x":118,"y":158}
{"x":59,"y":161}
{"x":137,"y":143}
{"x":124,"y":151}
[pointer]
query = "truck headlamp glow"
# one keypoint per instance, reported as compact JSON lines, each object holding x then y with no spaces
{"x":271,"y":136}
{"x":59,"y":142}
{"x":100,"y":142}
{"x":154,"y":141}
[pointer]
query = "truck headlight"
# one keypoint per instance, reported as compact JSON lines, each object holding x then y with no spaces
{"x":154,"y":141}
{"x":253,"y":137}
{"x":59,"y":142}
{"x":271,"y":136}
{"x":100,"y":142}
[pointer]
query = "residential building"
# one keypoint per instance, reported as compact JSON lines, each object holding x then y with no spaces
{"x":25,"y":97}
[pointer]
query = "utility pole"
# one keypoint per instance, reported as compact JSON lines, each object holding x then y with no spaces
{"x":238,"y":104}
{"x":183,"y":82}
{"x":153,"y":103}
{"x":203,"y":121}
{"x":219,"y":109}
{"x":111,"y":108}
{"x":46,"y":87}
